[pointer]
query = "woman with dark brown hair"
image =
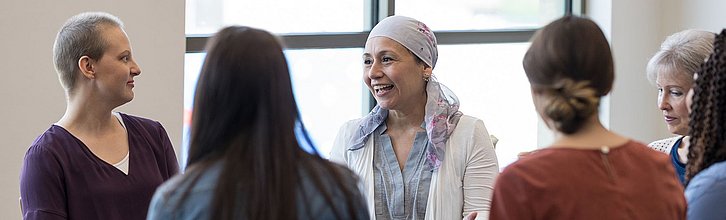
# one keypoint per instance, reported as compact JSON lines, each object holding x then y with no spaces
{"x":588,"y":172}
{"x":706,"y":169}
{"x":245,"y":161}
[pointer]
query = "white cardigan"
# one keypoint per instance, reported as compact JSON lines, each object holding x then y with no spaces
{"x":463,"y":184}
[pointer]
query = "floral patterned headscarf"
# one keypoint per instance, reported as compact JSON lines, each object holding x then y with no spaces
{"x":442,"y":106}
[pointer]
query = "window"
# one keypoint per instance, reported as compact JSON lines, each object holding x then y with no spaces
{"x":481,"y":45}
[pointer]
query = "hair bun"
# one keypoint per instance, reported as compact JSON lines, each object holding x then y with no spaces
{"x":570,"y":104}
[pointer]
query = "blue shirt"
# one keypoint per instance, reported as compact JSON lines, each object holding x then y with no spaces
{"x":677,"y":164}
{"x":197,"y":204}
{"x":400,"y":194}
{"x":706,"y":193}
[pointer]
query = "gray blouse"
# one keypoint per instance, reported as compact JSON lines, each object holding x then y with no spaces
{"x":400,"y":194}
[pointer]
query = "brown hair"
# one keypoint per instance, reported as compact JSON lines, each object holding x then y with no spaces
{"x":708,"y":118}
{"x":570,"y":64}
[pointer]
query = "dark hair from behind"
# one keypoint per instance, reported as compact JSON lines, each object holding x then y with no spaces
{"x":708,"y":115}
{"x":571,"y":66}
{"x":245,"y":116}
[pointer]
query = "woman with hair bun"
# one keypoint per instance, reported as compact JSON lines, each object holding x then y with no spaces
{"x":588,"y":172}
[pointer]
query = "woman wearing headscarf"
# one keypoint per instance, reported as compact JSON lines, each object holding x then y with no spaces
{"x":417,"y":155}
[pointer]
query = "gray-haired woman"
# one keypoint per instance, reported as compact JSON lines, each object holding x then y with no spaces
{"x":671,"y":71}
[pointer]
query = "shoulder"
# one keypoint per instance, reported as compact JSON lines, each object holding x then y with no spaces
{"x":329,"y":181}
{"x":706,"y":193}
{"x":333,"y":170}
{"x":53,"y":141}
{"x":664,"y":145}
{"x":641,"y":151}
{"x":469,"y":127}
{"x":351,"y":125}
{"x":470,"y":131}
{"x":170,"y":192}
{"x":140,"y":120}
{"x":710,"y":178}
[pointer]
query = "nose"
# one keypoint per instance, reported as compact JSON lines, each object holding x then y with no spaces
{"x":663,"y":103}
{"x":135,"y":69}
{"x":374,"y":71}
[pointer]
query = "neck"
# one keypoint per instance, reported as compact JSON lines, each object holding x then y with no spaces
{"x":592,"y":135}
{"x":86,"y":113}
{"x":407,"y":117}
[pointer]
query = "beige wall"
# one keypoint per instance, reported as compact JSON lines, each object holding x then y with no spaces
{"x":635,"y":30}
{"x":634,"y":39}
{"x":31,"y":97}
{"x":696,"y":14}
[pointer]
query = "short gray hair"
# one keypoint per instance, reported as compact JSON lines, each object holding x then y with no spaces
{"x":683,"y":52}
{"x":80,"y":36}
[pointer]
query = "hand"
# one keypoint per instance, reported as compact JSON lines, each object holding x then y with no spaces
{"x":471,"y":216}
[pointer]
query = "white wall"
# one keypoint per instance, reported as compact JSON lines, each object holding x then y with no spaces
{"x":635,"y":37}
{"x":706,"y":15}
{"x":635,"y":30}
{"x":31,"y":97}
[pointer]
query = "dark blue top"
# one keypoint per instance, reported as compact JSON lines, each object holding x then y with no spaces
{"x":706,"y":193}
{"x":677,"y":164}
{"x":62,"y":179}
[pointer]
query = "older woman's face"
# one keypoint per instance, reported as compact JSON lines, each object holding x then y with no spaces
{"x":392,"y":74}
{"x":673,"y":87}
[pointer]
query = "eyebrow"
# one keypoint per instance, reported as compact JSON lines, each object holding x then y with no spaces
{"x":124,"y":52}
{"x":381,"y":52}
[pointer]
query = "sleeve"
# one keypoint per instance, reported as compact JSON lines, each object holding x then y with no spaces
{"x":170,"y":162}
{"x":510,"y":198}
{"x":337,"y":154}
{"x":42,"y":189}
{"x":481,"y":171}
{"x":156,"y":208}
{"x":706,"y":199}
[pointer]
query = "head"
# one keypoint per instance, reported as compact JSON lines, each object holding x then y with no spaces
{"x":671,"y":70}
{"x":708,"y":115}
{"x":569,"y":66}
{"x":399,"y":58}
{"x":244,"y":117}
{"x":244,"y":87}
{"x":92,"y":49}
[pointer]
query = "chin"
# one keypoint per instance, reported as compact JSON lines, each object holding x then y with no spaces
{"x":678,"y":131}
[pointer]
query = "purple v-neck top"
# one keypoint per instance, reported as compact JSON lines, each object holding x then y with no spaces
{"x":62,"y":179}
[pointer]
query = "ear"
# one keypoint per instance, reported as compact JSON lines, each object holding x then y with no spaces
{"x":85,"y":64}
{"x":427,"y":71}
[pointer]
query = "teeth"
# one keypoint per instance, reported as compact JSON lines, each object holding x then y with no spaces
{"x":378,"y":87}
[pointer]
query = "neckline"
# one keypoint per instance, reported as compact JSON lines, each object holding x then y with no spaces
{"x":599,"y":149}
{"x":85,"y":149}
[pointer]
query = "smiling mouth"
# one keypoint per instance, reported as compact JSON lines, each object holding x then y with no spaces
{"x":382,"y":88}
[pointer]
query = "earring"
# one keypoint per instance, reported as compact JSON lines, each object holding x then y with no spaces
{"x":426,"y":78}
